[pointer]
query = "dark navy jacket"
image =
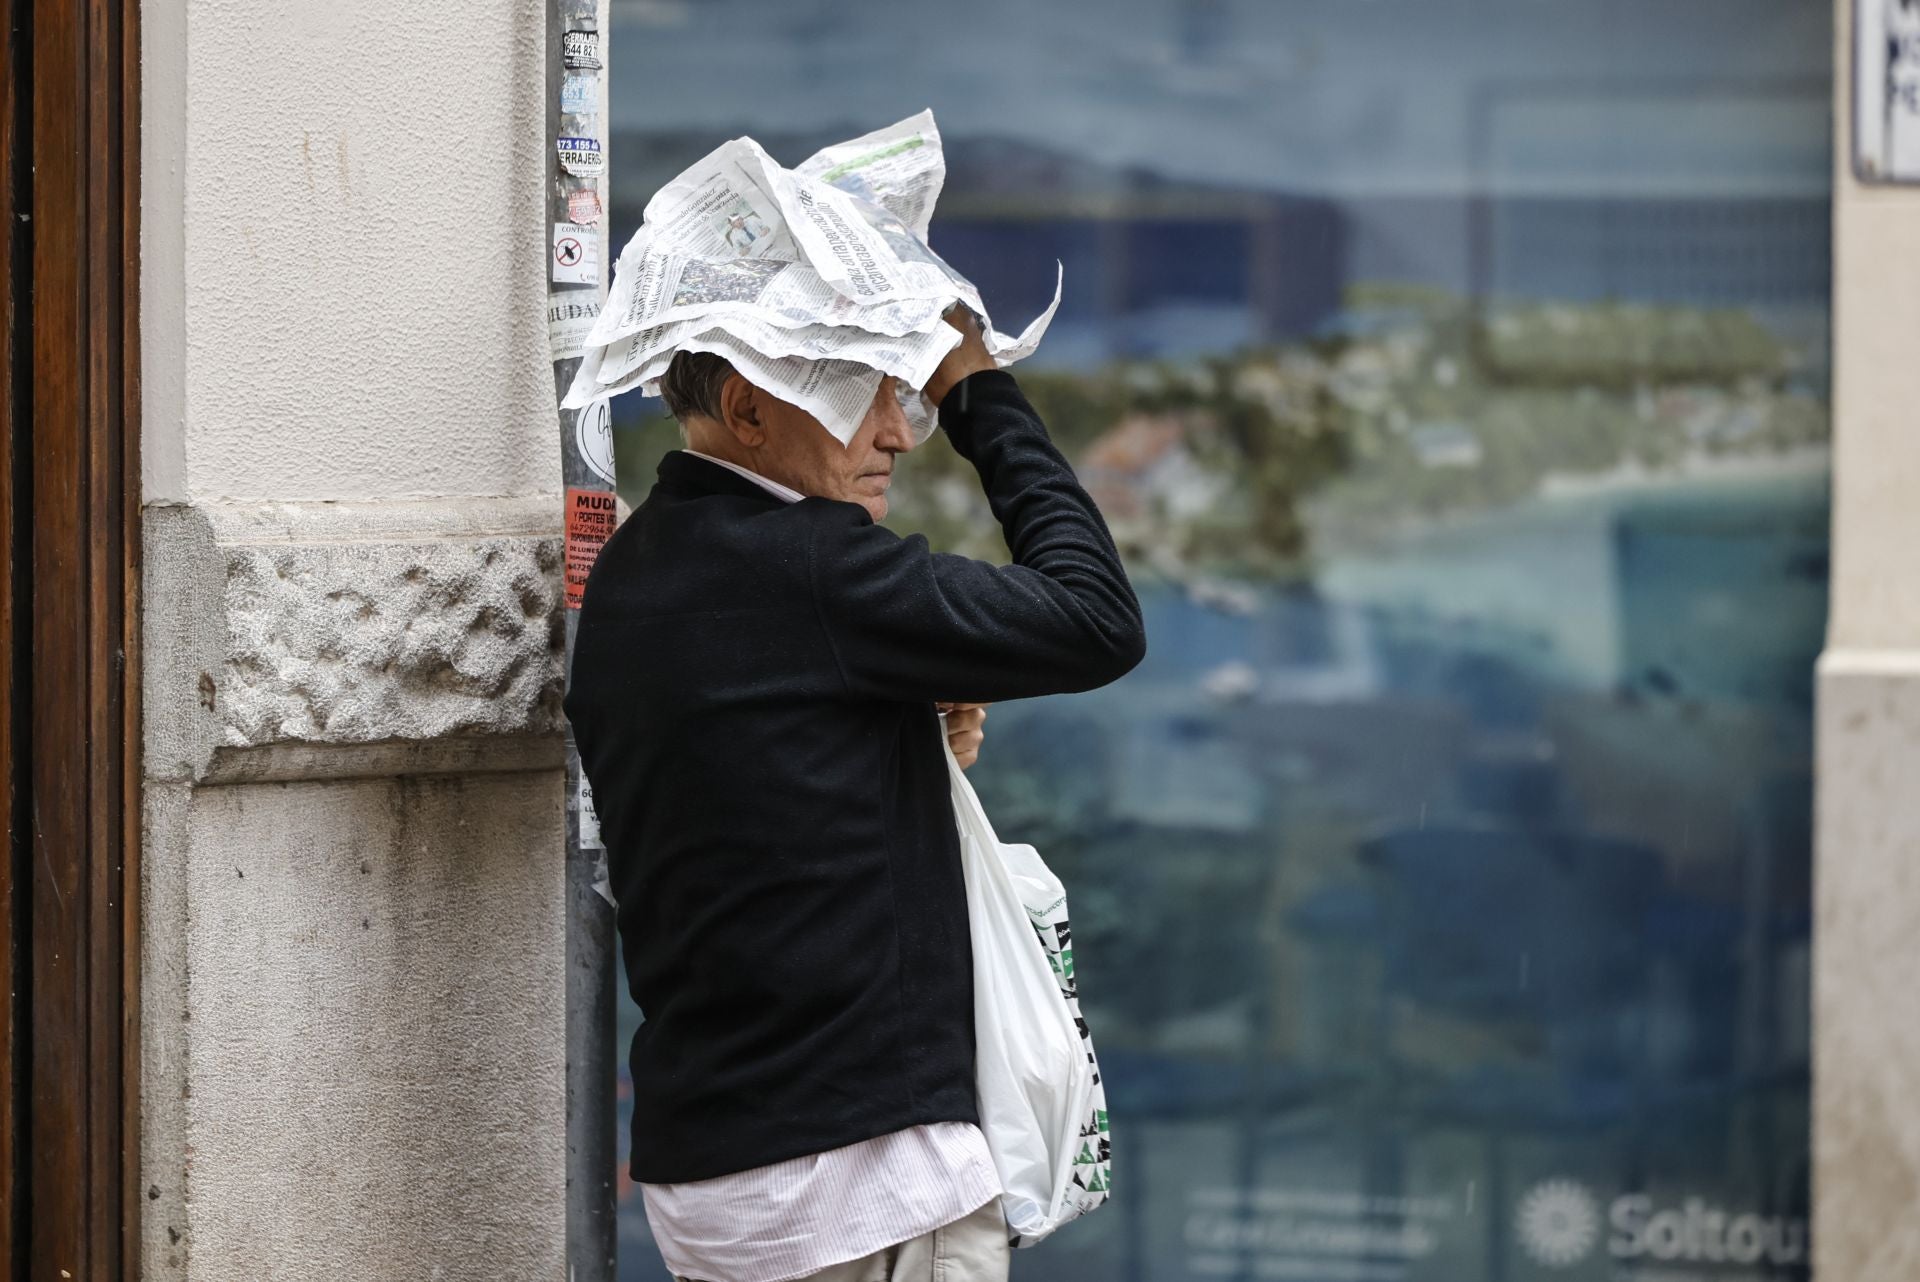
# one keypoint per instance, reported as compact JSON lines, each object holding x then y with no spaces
{"x":752,"y":693}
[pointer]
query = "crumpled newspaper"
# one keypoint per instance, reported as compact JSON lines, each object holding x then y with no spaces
{"x":815,"y":282}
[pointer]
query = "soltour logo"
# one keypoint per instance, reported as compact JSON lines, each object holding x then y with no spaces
{"x":1558,"y":1224}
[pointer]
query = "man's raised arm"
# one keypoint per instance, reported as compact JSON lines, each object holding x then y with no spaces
{"x":906,"y":622}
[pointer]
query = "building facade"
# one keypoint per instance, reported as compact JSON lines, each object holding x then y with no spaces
{"x":1495,"y":872}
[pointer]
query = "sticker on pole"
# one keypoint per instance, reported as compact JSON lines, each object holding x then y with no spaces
{"x":580,"y":50}
{"x":581,"y":157}
{"x":570,"y":319}
{"x":580,"y":94}
{"x":593,"y":432}
{"x":589,"y":818}
{"x":576,"y":255}
{"x":590,"y":519}
{"x":583,"y":206}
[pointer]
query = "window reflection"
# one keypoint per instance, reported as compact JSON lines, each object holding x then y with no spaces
{"x":1454,"y":376}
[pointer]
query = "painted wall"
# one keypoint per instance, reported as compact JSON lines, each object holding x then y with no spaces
{"x":1876,"y":322}
{"x":345,"y":247}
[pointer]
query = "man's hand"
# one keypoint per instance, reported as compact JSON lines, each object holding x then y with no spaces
{"x":969,"y":358}
{"x":965,"y":729}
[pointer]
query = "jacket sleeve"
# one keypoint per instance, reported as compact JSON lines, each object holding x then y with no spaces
{"x":906,"y":622}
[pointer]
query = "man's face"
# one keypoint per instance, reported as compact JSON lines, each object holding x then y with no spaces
{"x":798,"y":452}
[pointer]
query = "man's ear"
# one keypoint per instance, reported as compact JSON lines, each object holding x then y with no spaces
{"x":740,"y":411}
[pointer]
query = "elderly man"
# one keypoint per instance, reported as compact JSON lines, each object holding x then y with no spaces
{"x":755,"y":691}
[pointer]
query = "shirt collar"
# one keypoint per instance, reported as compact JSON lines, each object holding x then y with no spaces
{"x":766,"y":483}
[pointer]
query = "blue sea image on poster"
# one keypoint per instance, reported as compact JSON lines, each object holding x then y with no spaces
{"x":1454,"y":379}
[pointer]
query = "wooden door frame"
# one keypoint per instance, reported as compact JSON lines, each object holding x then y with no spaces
{"x":69,"y":695}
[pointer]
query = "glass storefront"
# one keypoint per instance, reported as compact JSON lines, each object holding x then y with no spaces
{"x":1453,"y":374}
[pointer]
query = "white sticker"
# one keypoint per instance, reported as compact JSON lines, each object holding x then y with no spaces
{"x":570,"y":319}
{"x":581,"y":157}
{"x":581,"y":49}
{"x":576,"y":255}
{"x":1886,"y":78}
{"x":589,"y":821}
{"x":593,"y":432}
{"x":580,"y":94}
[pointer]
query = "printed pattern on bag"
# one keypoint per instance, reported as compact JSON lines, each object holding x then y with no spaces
{"x":1093,"y":1166}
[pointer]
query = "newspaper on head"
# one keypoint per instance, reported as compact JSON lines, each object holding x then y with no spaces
{"x":815,"y":282}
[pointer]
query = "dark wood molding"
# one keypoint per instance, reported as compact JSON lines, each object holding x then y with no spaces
{"x":69,"y":496}
{"x":15,"y":407}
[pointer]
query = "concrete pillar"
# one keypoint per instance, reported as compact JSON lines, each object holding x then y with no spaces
{"x":352,"y":964}
{"x":1866,"y":1179}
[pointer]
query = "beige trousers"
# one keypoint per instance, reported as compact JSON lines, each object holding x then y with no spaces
{"x":971,"y":1249}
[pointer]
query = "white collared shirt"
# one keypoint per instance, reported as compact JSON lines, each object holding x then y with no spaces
{"x":783,"y":1221}
{"x":765,"y":483}
{"x":792,"y":1218}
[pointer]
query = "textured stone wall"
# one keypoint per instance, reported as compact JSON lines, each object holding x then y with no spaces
{"x":353,"y":986}
{"x":372,"y":1025}
{"x":1867,"y":948}
{"x":348,"y":624}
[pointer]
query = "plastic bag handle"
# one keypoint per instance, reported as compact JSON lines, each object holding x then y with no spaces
{"x":962,"y":787}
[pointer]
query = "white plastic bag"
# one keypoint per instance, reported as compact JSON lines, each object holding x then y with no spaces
{"x":1042,"y":1106}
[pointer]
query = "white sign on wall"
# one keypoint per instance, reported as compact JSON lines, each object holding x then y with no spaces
{"x":1886,"y":90}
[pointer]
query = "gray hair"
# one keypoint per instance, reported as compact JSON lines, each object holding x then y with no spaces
{"x":692,"y":385}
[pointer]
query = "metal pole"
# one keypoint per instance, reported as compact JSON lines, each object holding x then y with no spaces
{"x":577,"y":266}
